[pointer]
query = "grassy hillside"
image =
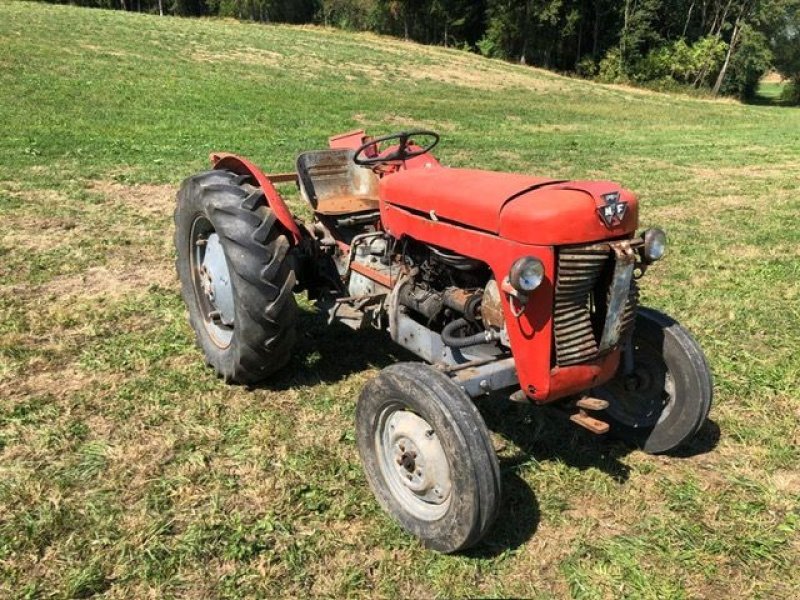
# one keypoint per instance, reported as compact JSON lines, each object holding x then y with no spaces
{"x":128,"y":469}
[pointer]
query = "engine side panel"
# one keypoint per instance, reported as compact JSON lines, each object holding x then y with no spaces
{"x":468,"y":196}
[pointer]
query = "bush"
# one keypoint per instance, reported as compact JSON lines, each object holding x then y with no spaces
{"x":791,"y":93}
{"x":487,"y":47}
{"x":751,"y":61}
{"x":586,"y":67}
{"x":610,"y":69}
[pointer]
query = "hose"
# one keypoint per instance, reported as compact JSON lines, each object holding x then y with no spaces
{"x":449,"y":337}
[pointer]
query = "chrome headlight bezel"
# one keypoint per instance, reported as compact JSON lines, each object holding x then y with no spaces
{"x":655,"y":244}
{"x":527,"y":274}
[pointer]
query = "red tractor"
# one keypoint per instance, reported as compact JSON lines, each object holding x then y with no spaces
{"x":498,"y":282}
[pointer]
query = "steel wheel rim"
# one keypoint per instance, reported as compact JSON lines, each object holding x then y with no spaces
{"x":645,"y":398}
{"x":211,"y":281}
{"x":413,"y":463}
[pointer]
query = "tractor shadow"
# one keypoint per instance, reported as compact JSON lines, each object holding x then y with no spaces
{"x":327,"y":354}
{"x":541,"y":435}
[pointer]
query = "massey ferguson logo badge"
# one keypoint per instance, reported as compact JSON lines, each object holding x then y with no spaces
{"x":614,"y":210}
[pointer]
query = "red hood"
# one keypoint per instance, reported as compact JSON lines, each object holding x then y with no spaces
{"x":534,"y":210}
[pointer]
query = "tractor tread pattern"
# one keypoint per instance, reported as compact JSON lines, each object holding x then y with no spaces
{"x":262,"y":277}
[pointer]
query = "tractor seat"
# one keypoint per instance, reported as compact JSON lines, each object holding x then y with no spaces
{"x":334,"y":185}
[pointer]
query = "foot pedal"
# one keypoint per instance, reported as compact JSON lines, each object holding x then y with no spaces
{"x":590,"y":423}
{"x":589,"y":403}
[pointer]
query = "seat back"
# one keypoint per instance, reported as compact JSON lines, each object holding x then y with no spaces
{"x":334,"y":185}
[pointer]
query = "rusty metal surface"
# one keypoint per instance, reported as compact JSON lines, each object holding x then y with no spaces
{"x":590,"y":423}
{"x":578,"y":272}
{"x":381,"y":278}
{"x":589,"y":403}
{"x":492,"y":306}
{"x":334,"y":185}
{"x":618,"y":295}
{"x":282,"y":177}
{"x":581,"y":285}
{"x":346,"y":204}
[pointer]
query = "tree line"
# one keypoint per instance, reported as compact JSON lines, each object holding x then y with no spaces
{"x":721,"y":46}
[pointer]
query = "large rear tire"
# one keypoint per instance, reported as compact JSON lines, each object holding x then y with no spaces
{"x":236,"y":276}
{"x":665,"y":401}
{"x":428,"y":456}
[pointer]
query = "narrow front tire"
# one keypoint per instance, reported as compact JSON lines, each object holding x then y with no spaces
{"x":662,"y":404}
{"x":428,"y":456}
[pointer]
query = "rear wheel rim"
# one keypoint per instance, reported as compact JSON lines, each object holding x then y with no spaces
{"x":413,"y":462}
{"x":211,"y":281}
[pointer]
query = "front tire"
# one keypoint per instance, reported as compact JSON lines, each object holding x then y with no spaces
{"x":428,"y":456}
{"x":665,"y":401}
{"x":236,"y":276}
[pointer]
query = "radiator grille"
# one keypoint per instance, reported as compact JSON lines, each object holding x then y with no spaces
{"x":582,"y":283}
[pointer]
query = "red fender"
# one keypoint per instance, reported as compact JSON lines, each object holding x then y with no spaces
{"x":242,"y":166}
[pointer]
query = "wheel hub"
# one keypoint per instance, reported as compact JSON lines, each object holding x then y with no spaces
{"x":415,"y":464}
{"x":215,"y":280}
{"x":644,"y":397}
{"x":212,"y":282}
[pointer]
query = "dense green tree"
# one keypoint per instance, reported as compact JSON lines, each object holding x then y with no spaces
{"x":785,"y":45}
{"x":724,"y":46}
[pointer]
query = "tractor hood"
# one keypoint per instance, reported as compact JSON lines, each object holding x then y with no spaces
{"x":523,"y":208}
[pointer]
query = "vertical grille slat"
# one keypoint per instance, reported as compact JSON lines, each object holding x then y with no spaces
{"x":581,"y":279}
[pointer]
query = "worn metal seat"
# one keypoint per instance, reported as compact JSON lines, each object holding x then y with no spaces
{"x":334,"y":185}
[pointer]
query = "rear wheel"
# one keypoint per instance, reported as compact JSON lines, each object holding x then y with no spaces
{"x":236,"y":276}
{"x":428,"y":456}
{"x":664,"y":402}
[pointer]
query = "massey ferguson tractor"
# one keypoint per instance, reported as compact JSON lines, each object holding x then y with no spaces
{"x":499,"y":283}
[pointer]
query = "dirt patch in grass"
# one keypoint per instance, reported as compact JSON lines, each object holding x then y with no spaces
{"x":154,"y":200}
{"x":249,"y":56}
{"x":490,"y":77}
{"x":37,"y":233}
{"x":112,"y":282}
{"x":748,"y":171}
{"x":787,"y":481}
{"x":59,"y":382}
{"x":108,"y":51}
{"x":772,"y":77}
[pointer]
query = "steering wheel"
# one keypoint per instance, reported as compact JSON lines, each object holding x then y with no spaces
{"x":401,"y":153}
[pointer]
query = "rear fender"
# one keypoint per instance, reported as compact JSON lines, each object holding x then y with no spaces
{"x":242,"y":166}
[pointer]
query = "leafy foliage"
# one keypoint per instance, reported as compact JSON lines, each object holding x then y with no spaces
{"x":720,"y":45}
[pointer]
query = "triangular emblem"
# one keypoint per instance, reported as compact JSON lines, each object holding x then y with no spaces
{"x":614,"y":210}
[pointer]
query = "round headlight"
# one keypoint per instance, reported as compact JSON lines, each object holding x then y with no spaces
{"x":655,"y":244}
{"x":527,"y":274}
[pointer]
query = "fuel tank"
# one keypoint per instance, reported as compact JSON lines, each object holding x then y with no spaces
{"x":522,"y":208}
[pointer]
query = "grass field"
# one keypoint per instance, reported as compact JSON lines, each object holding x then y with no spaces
{"x":128,"y":470}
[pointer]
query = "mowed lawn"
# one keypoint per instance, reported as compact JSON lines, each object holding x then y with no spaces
{"x":128,"y":470}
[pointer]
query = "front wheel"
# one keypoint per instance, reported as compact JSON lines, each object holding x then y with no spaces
{"x":665,"y":400}
{"x":428,"y":456}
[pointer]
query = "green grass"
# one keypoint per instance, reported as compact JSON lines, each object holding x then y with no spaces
{"x":128,"y":470}
{"x":775,"y":93}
